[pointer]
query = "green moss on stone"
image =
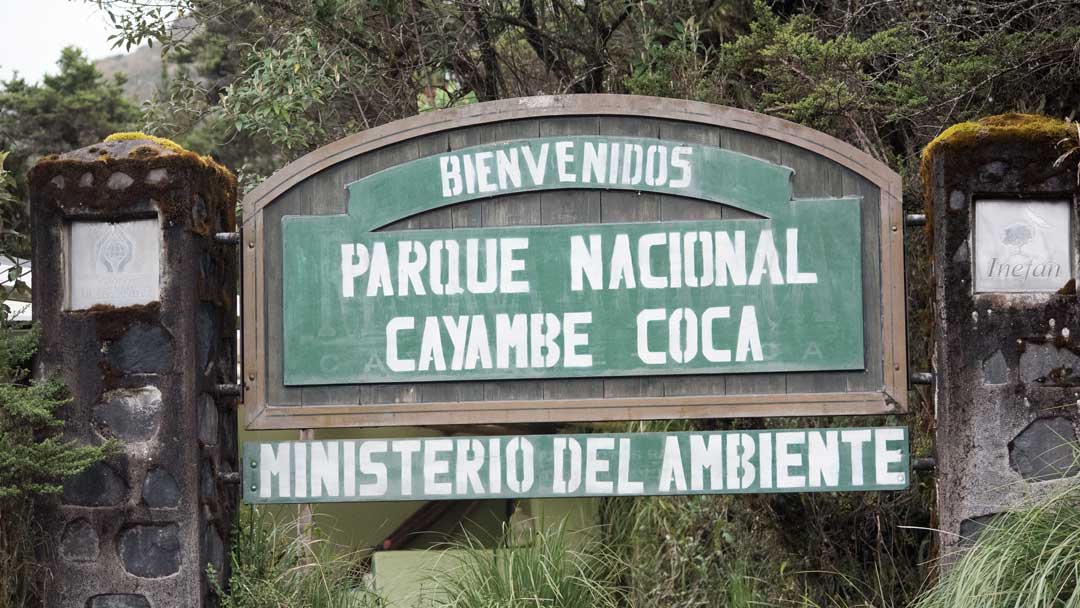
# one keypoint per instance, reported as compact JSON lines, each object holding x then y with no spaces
{"x":1013,"y":129}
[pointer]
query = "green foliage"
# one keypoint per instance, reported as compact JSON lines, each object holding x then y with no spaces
{"x":12,"y":215}
{"x":73,"y":108}
{"x":815,"y":549}
{"x":684,"y":552}
{"x":676,"y":63}
{"x":34,"y":459}
{"x":281,"y":88}
{"x":278,"y":565}
{"x":1028,"y":558}
{"x":542,"y":569}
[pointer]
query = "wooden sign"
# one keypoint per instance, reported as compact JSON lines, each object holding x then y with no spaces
{"x":573,"y":258}
{"x":553,"y":466}
{"x":615,"y":299}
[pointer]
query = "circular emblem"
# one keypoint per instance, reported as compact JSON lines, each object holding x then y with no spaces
{"x":114,"y":250}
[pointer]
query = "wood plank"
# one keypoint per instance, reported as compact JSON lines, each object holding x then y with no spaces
{"x":322,"y":197}
{"x":873,"y":377}
{"x":765,"y":149}
{"x":580,"y":410}
{"x":622,"y":206}
{"x":372,"y":163}
{"x":276,"y":392}
{"x":571,"y":207}
{"x":515,"y":210}
{"x":815,"y":176}
{"x":464,"y":215}
{"x":430,"y":145}
{"x":677,"y":208}
{"x":680,"y":209}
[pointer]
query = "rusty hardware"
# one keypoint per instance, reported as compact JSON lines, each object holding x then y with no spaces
{"x":232,"y":478}
{"x":922,"y":378}
{"x":923,"y":464}
{"x":227,"y":390}
{"x":227,"y":238}
{"x":915,"y":219}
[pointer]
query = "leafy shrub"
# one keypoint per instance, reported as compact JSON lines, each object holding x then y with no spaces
{"x":34,"y":459}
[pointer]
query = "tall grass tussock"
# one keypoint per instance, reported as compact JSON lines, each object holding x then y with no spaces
{"x":275,"y":564}
{"x":549,"y":568}
{"x":1028,"y":558}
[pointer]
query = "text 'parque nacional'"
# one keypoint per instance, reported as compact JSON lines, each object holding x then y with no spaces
{"x":779,"y":293}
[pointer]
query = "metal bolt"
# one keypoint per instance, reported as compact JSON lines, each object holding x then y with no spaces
{"x":923,"y":464}
{"x":922,"y":378}
{"x":251,"y":244}
{"x":254,"y":464}
{"x":227,"y":238}
{"x":227,"y":390}
{"x":230,"y":477}
{"x":253,"y":487}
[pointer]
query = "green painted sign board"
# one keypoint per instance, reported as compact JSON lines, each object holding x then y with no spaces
{"x":545,"y":466}
{"x":782,"y":292}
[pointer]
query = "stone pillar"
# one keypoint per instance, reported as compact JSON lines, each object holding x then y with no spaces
{"x":1007,"y":320}
{"x":137,"y":306}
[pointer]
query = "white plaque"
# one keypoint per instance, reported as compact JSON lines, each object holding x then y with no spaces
{"x":113,"y":263}
{"x":1022,"y":246}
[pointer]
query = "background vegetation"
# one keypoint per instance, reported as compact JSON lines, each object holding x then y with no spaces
{"x":275,"y":564}
{"x":34,"y":456}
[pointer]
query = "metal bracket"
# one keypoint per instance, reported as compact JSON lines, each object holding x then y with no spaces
{"x":921,"y":378}
{"x":227,"y":238}
{"x":233,"y":478}
{"x":923,"y":464}
{"x":227,"y":390}
{"x":915,"y":219}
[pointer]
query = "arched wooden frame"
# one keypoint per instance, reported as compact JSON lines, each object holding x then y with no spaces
{"x":857,"y":172}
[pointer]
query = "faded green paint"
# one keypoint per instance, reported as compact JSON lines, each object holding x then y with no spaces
{"x":554,"y":466}
{"x":716,"y":175}
{"x":334,"y":338}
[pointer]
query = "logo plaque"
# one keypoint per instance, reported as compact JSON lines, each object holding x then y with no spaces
{"x":117,"y":264}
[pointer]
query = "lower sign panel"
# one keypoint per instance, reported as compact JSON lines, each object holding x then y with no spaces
{"x":542,"y":466}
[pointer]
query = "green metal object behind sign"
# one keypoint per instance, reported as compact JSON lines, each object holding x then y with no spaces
{"x":542,"y":466}
{"x":779,"y":293}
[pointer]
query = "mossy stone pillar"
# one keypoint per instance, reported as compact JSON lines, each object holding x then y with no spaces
{"x":137,"y":307}
{"x":1007,"y":319}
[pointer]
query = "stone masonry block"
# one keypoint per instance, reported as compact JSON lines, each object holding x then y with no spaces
{"x":151,"y":551}
{"x":143,"y":349}
{"x":101,"y":485}
{"x":129,"y":414}
{"x":1045,"y":450}
{"x":80,"y":542}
